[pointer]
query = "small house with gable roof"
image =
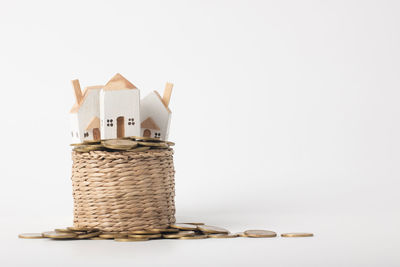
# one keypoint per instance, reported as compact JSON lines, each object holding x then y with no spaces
{"x":154,"y":109}
{"x":119,"y":109}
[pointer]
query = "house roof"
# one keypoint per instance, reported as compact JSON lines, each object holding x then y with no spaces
{"x":164,"y":104}
{"x":149,"y":124}
{"x":76,"y":106}
{"x":94,"y":123}
{"x":118,"y":82}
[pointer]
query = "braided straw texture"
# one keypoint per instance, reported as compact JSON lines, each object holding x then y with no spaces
{"x":123,"y":191}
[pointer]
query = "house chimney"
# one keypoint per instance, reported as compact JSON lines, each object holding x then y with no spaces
{"x":167,"y":93}
{"x":77,"y":90}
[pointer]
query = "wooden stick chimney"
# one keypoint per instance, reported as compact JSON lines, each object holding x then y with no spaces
{"x":77,"y":90}
{"x":167,"y":93}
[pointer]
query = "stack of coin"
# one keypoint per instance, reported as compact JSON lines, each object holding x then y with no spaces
{"x":182,"y":231}
{"x":133,"y":144}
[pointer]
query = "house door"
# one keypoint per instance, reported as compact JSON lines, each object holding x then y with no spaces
{"x":96,"y":134}
{"x":146,"y":133}
{"x":120,"y":127}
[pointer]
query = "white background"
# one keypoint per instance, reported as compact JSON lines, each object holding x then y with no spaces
{"x":285,"y":114}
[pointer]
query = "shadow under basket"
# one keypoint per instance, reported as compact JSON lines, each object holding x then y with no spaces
{"x":119,"y":191}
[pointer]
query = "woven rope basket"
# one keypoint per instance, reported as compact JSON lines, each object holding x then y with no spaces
{"x":122,"y":190}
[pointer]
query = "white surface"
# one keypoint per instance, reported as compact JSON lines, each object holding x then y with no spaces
{"x":314,"y":83}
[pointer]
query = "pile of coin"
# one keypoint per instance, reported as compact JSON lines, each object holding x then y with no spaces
{"x":181,"y":231}
{"x":133,"y":143}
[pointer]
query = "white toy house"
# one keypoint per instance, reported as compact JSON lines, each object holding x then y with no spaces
{"x":155,"y":114}
{"x":119,"y":109}
{"x":115,"y":111}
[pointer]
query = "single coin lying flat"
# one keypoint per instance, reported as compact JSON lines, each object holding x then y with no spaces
{"x":59,"y":235}
{"x":31,"y":235}
{"x":184,"y":226}
{"x":259,"y":233}
{"x":223,"y":235}
{"x":297,"y":234}
{"x":208,"y":229}
{"x":179,"y":235}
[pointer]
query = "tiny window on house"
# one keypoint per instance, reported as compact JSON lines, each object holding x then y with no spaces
{"x":131,"y":121}
{"x":72,"y":133}
{"x":110,"y":123}
{"x":86,"y":134}
{"x":76,"y":134}
{"x":157,"y":135}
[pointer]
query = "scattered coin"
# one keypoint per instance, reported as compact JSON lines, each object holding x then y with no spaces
{"x":151,"y":236}
{"x":259,"y":233}
{"x":162,"y":230}
{"x":130,"y":239}
{"x":109,"y":235}
{"x":241,"y":234}
{"x":184,"y":226}
{"x":120,"y":144}
{"x":170,"y":143}
{"x":223,"y":235}
{"x":154,"y":144}
{"x":31,"y":235}
{"x":141,"y":232}
{"x":146,"y":138}
{"x":88,"y":235}
{"x":63,"y":230}
{"x":140,"y":149}
{"x":79,"y":229}
{"x":208,"y":229}
{"x":178,"y":235}
{"x":297,"y":234}
{"x":194,"y":237}
{"x":59,"y":235}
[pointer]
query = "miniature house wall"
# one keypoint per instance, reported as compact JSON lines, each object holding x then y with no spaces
{"x":154,"y":107}
{"x":119,"y":109}
{"x":83,"y":112}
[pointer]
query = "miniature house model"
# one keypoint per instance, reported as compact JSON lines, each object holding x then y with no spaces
{"x":155,"y":114}
{"x":114,"y":111}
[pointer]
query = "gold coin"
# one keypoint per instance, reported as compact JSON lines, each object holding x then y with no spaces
{"x":146,"y":138}
{"x":170,"y":143}
{"x":63,"y":230}
{"x":140,"y":149}
{"x":297,"y":234}
{"x":259,"y":233}
{"x":81,"y":229}
{"x":151,"y":236}
{"x":59,"y":235}
{"x":89,"y":235}
{"x":178,"y":235}
{"x":241,"y":234}
{"x":194,"y":237}
{"x":91,"y":142}
{"x":154,"y":144}
{"x":112,"y":235}
{"x":212,"y":229}
{"x":31,"y":235}
{"x":141,"y":232}
{"x":163,"y":230}
{"x":223,"y":235}
{"x":130,"y":239}
{"x":122,"y":144}
{"x":184,"y":226}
